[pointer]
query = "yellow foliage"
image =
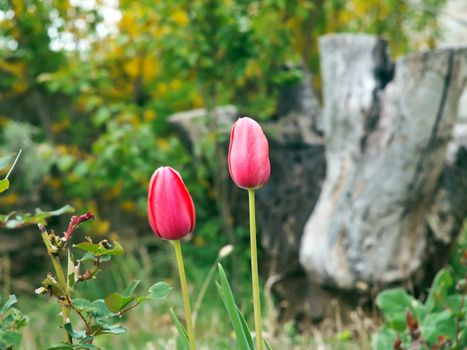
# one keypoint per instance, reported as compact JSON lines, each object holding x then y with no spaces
{"x":163,"y":144}
{"x":9,"y":199}
{"x":161,"y":89}
{"x":128,"y":25}
{"x":61,"y":126}
{"x":199,"y":241}
{"x":175,"y":84}
{"x":149,"y":115}
{"x":198,"y":101}
{"x":253,"y":69}
{"x":4,"y":120}
{"x":114,"y":192}
{"x":132,"y":67}
{"x":53,"y":182}
{"x":128,"y":206}
{"x":180,"y":17}
{"x":100,"y":227}
{"x":14,"y":68}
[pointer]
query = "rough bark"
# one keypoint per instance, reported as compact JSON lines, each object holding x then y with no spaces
{"x":386,"y":129}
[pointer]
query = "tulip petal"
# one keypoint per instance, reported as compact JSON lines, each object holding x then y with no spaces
{"x":171,"y":210}
{"x":248,"y":157}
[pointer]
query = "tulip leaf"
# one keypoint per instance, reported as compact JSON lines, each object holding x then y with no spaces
{"x":227,"y":297}
{"x":98,"y":249}
{"x":4,"y":185}
{"x":246,"y":329}
{"x":183,"y":342}
{"x":116,"y":302}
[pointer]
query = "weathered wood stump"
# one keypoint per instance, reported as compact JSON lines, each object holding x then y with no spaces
{"x":386,"y":127}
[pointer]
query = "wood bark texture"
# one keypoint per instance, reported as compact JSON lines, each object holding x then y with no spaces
{"x":386,"y":130}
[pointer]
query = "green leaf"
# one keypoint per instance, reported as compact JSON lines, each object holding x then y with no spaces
{"x":393,"y":303}
{"x":84,"y":305}
{"x":183,"y":335}
{"x":268,"y":346}
{"x":81,"y":346}
{"x":439,"y":324}
{"x":131,"y":288}
{"x":88,"y":256}
{"x":71,"y":271}
{"x":101,"y":309}
{"x":4,"y":185}
{"x":158,"y":292}
{"x":10,"y":340}
{"x":384,"y":339}
{"x":116,"y":302}
{"x":114,"y":329}
{"x":98,"y":249}
{"x":9,"y":303}
{"x":74,"y":334}
{"x":438,"y":291}
{"x":246,"y":329}
{"x":227,"y":297}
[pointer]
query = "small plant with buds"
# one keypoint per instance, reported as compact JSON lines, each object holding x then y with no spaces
{"x":97,"y":317}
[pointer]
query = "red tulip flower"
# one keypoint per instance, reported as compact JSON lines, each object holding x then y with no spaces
{"x":248,"y":154}
{"x":171,"y":210}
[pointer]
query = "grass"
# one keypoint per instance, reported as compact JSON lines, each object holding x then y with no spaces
{"x":150,"y":325}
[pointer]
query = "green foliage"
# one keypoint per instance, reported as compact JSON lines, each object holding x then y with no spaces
{"x":439,"y":322}
{"x":100,"y":316}
{"x":15,"y":220}
{"x":183,"y":343}
{"x":11,"y":323}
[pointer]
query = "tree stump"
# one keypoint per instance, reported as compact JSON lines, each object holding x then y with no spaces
{"x":386,"y":131}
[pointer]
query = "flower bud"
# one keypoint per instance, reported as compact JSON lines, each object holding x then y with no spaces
{"x":171,"y":211}
{"x":248,"y":154}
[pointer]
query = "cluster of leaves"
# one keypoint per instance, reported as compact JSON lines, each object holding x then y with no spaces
{"x":101,"y":316}
{"x":11,"y":322}
{"x":438,"y":323}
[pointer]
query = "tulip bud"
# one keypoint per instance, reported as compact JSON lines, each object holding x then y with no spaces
{"x":248,"y":154}
{"x":171,"y":210}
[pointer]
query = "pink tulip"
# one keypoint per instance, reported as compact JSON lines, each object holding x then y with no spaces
{"x":248,"y":154}
{"x":171,"y":210}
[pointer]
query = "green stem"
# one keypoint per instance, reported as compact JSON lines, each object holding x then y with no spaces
{"x":61,"y":282}
{"x":186,"y":298}
{"x":254,"y":271}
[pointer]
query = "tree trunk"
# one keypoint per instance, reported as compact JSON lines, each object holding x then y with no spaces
{"x":387,"y":127}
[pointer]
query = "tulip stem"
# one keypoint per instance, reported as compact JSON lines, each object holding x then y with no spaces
{"x":254,"y":271}
{"x":186,"y":298}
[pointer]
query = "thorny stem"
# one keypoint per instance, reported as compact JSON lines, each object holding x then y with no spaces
{"x":186,"y":298}
{"x":254,"y":271}
{"x":61,"y":281}
{"x":88,"y":326}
